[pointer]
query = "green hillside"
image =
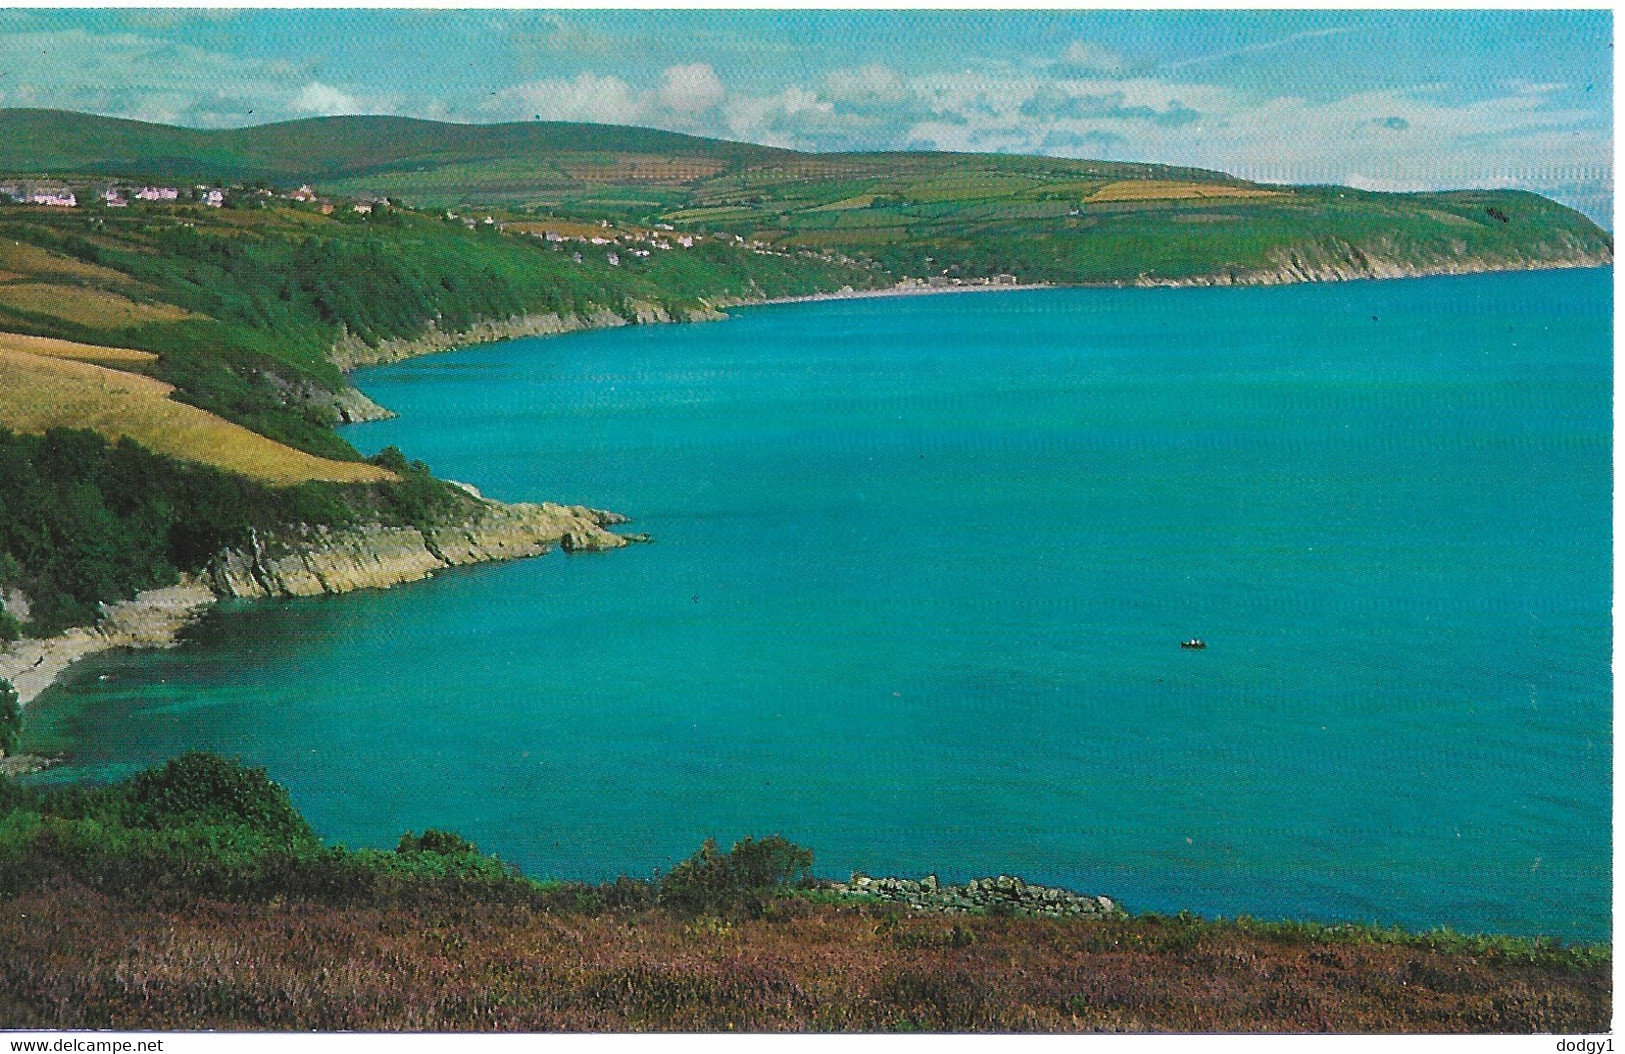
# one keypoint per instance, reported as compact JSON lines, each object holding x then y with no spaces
{"x":327,"y":148}
{"x":913,"y":214}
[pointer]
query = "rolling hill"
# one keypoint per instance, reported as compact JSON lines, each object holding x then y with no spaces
{"x":920,"y":214}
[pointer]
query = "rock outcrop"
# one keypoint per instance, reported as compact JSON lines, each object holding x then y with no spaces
{"x":321,"y":560}
{"x":354,"y":407}
{"x":979,"y":896}
{"x":152,"y":619}
{"x":312,"y":562}
{"x":351,"y":352}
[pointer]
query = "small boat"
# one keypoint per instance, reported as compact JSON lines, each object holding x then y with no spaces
{"x":1194,"y":644}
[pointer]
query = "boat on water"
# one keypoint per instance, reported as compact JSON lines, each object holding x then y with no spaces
{"x":1194,"y":644}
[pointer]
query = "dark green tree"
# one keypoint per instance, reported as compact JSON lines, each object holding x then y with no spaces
{"x":11,"y":718}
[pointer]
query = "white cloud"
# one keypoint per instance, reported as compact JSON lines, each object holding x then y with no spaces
{"x":871,"y":85}
{"x":1087,"y":56}
{"x":690,"y":89}
{"x":326,"y":100}
{"x":586,"y":97}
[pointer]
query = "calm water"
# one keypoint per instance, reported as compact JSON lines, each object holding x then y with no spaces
{"x":921,"y":572}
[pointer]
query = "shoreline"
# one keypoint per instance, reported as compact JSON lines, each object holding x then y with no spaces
{"x":892,"y":291}
{"x":313,"y":562}
{"x":1307,"y":268}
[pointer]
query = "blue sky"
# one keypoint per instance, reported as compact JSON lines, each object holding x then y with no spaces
{"x":1381,"y":99}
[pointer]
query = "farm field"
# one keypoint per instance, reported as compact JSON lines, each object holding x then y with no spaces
{"x":44,"y":392}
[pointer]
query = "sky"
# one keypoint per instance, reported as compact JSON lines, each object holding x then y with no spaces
{"x":1386,"y":100}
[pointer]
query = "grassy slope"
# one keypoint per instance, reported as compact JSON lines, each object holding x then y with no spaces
{"x":43,"y":392}
{"x":68,"y":349}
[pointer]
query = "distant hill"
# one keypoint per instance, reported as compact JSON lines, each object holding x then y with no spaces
{"x":918,"y":214}
{"x":331,"y":148}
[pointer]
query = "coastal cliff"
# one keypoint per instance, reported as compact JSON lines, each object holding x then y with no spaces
{"x":321,"y":560}
{"x":1331,"y":260}
{"x":350,"y":352}
{"x":1335,"y":260}
{"x":315,"y":561}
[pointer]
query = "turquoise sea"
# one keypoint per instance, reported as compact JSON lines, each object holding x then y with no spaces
{"x":921,"y":570}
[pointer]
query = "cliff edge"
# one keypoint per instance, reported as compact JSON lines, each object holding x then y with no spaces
{"x":315,"y":561}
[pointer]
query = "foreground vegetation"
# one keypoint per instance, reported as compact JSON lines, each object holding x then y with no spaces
{"x":194,"y":896}
{"x":45,"y":391}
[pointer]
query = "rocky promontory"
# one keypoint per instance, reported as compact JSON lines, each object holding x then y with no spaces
{"x":350,"y":352}
{"x":313,"y":561}
{"x":322,"y":560}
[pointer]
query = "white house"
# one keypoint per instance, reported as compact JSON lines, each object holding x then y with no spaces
{"x":57,"y":196}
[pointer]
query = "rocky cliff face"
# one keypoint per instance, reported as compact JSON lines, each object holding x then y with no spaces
{"x":1340,"y":261}
{"x":319,"y":560}
{"x":312,"y":562}
{"x":351,"y":353}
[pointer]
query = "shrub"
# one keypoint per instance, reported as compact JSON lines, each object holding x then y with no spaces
{"x":205,"y":788}
{"x":446,"y":843}
{"x":712,"y":880}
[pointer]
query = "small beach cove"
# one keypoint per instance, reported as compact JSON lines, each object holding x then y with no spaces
{"x":921,"y":573}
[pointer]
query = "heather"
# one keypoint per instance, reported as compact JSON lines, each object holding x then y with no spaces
{"x":194,"y":896}
{"x":74,"y":958}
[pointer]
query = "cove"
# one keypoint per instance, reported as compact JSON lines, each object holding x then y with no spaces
{"x":920,"y":573}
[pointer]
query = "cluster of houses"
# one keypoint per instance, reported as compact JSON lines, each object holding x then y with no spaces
{"x":62,"y":195}
{"x":113,"y":195}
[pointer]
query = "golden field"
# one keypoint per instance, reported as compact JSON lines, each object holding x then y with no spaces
{"x":52,"y":348}
{"x":88,"y":307}
{"x":38,"y":392}
{"x":1173,"y":190}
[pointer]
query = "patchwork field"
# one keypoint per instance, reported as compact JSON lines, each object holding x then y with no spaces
{"x":39,"y":392}
{"x":1173,"y":190}
{"x":19,"y":259}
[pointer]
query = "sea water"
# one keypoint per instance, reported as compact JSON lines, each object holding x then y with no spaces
{"x":920,"y":574}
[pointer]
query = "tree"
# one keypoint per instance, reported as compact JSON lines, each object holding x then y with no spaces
{"x":11,"y":718}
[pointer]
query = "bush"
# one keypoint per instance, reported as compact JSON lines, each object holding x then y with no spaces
{"x":204,"y":788}
{"x":447,"y":843}
{"x":712,"y":880}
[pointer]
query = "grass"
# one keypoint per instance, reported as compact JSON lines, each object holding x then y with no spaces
{"x":19,"y":259}
{"x":96,"y":308}
{"x":41,"y":393}
{"x":50,"y":347}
